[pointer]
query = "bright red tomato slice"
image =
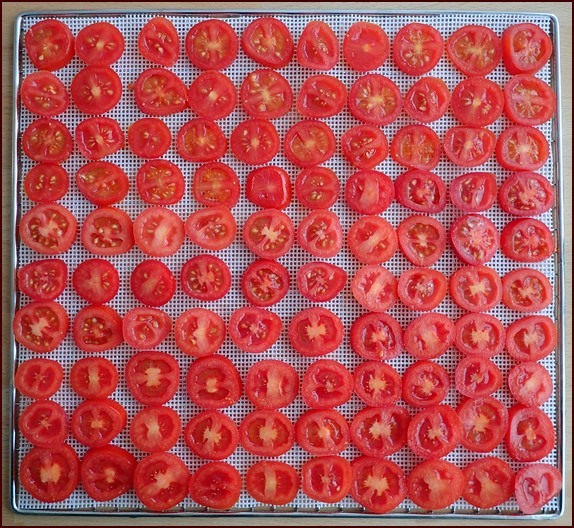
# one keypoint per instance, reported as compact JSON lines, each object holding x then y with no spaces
{"x":44,"y":423}
{"x":322,"y":432}
{"x":97,"y":329}
{"x":528,"y":100}
{"x":269,"y":187}
{"x":205,"y":277}
{"x":159,"y":92}
{"x":477,"y":377}
{"x":530,"y":384}
{"x":318,"y":47}
{"x":477,"y":101}
{"x":255,"y":141}
{"x":375,"y":99}
{"x":100,"y":44}
{"x":475,"y":288}
{"x":317,"y":187}
{"x":160,"y":182}
{"x":201,"y":140}
{"x":422,"y":289}
{"x":94,"y":378}
{"x":427,"y":100}
{"x":272,"y":482}
{"x":46,"y":182}
{"x":377,"y":383}
{"x":468,"y":146}
{"x":199,"y":332}
{"x":149,"y":138}
{"x":43,"y":280}
{"x":479,"y":334}
{"x":213,"y":382}
{"x":107,"y":231}
{"x":376,"y":336}
{"x":96,"y":89}
{"x":434,"y":432}
{"x":102,"y":183}
{"x":44,"y":94}
{"x":474,"y":239}
{"x":526,"y":290}
{"x":271,"y":384}
{"x":429,"y":336}
{"x":522,"y":148}
{"x":98,"y":137}
{"x":474,"y":50}
{"x":525,"y":48}
{"x":536,"y":485}
{"x":268,"y":41}
{"x":315,"y":332}
{"x":216,"y":184}
{"x":96,"y":423}
{"x":40,"y":326}
{"x":374,"y":288}
{"x":320,"y":281}
{"x":211,"y":45}
{"x":372,"y":239}
{"x":531,"y":338}
{"x":152,"y":283}
{"x":484,"y":421}
{"x":215,"y":485}
{"x":321,"y":96}
{"x":425,"y":384}
{"x":422,"y":191}
{"x":435,"y":484}
{"x":309,"y":143}
{"x":526,"y":194}
{"x":267,"y":433}
{"x":211,"y":435}
{"x":531,"y":435}
{"x":269,"y":233}
{"x":145,"y":328}
{"x":158,"y":42}
{"x":158,"y":231}
{"x":327,"y":479}
{"x":369,"y":192}
{"x":265,"y":282}
{"x":422,"y":239}
{"x":416,"y":147}
{"x":254,"y":330}
{"x":155,"y":429}
{"x":50,"y":44}
{"x":365,"y":46}
{"x":152,"y":377}
{"x":417,"y":48}
{"x":266,"y":94}
{"x":488,"y":482}
{"x":473,"y":192}
{"x":212,"y":228}
{"x":320,"y":234}
{"x":364,"y":146}
{"x":38,"y":378}
{"x":47,"y":141}
{"x":212,"y":95}
{"x":326,"y":384}
{"x":527,"y":240}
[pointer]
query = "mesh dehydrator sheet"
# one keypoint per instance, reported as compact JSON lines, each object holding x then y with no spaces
{"x":237,"y":256}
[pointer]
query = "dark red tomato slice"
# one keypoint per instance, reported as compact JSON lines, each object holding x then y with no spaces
{"x":375,"y":99}
{"x":213,"y":382}
{"x":526,"y":290}
{"x":322,"y":432}
{"x":479,"y":334}
{"x":417,"y":147}
{"x":477,"y":101}
{"x":152,"y":283}
{"x":96,"y":89}
{"x":474,"y":50}
{"x":531,"y":338}
{"x":535,"y":486}
{"x":320,"y":281}
{"x":212,"y":228}
{"x":158,"y":232}
{"x":160,"y":182}
{"x":422,"y":191}
{"x":44,"y":94}
{"x":254,"y":330}
{"x":377,"y":383}
{"x":161,"y":481}
{"x":215,"y":485}
{"x":474,"y":239}
{"x":149,"y":137}
{"x":107,"y":472}
{"x":268,"y":41}
{"x":152,"y":377}
{"x":435,"y":484}
{"x":315,"y":332}
{"x":216,"y":184}
{"x":211,"y":435}
{"x":266,"y":94}
{"x":530,"y":384}
{"x":201,"y":140}
{"x":199,"y":332}
{"x":475,"y":288}
{"x":46,"y":182}
{"x":484,"y":421}
{"x":47,"y":141}
{"x":107,"y":231}
{"x":365,"y":46}
{"x":369,"y":192}
{"x":526,"y":194}
{"x":40,"y":326}
{"x":531,"y":435}
{"x":326,"y":384}
{"x":43,"y":280}
{"x":473,"y":192}
{"x":422,"y":289}
{"x":526,"y":48}
{"x":95,"y":423}
{"x":211,"y":45}
{"x":468,"y":146}
{"x":272,"y":482}
{"x":425,"y":384}
{"x":38,"y":378}
{"x":212,"y":95}
{"x":318,"y":47}
{"x":255,"y":141}
{"x":321,"y":96}
{"x":317,"y":187}
{"x":269,"y":233}
{"x":265,"y":282}
{"x":326,"y":479}
{"x":98,"y":137}
{"x":422,"y":239}
{"x":100,"y":44}
{"x":160,"y":92}
{"x":527,"y":240}
{"x":269,"y":187}
{"x":374,"y":288}
{"x":266,"y":433}
{"x":434,"y":432}
{"x":271,"y":384}
{"x":309,"y":143}
{"x":477,"y":377}
{"x":488,"y":482}
{"x":417,"y":48}
{"x":102,"y":183}
{"x":429,"y":336}
{"x":155,"y":429}
{"x":205,"y":277}
{"x":50,"y":474}
{"x":427,"y":100}
{"x":145,"y":327}
{"x":376,"y":336}
{"x":50,"y":44}
{"x":44,"y":423}
{"x":528,"y":100}
{"x":364,"y":146}
{"x":94,"y":378}
{"x":97,"y":329}
{"x":372,"y":239}
{"x":320,"y":234}
{"x":522,"y":148}
{"x":158,"y":42}
{"x":379,"y":485}
{"x":380,"y":432}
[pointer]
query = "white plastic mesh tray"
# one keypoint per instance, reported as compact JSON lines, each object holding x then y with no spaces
{"x":237,"y":256}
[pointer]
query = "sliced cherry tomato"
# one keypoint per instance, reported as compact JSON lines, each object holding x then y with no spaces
{"x":152,"y":283}
{"x":475,"y":288}
{"x":417,"y":147}
{"x":216,"y":184}
{"x":429,"y":336}
{"x":152,"y":377}
{"x":530,"y":435}
{"x":434,"y":432}
{"x":46,"y":182}
{"x":326,"y":479}
{"x":372,"y":239}
{"x":271,"y":384}
{"x":435,"y":484}
{"x":160,"y":182}
{"x":320,"y":281}
{"x":205,"y":277}
{"x":422,"y":239}
{"x":44,"y":94}
{"x":479,"y":334}
{"x":473,"y":192}
{"x":44,"y":423}
{"x":484,"y":421}
{"x":94,"y":378}
{"x":266,"y":94}
{"x":149,"y":137}
{"x":530,"y":384}
{"x":320,"y":234}
{"x":47,"y":141}
{"x":422,"y":191}
{"x":322,"y":432}
{"x":527,"y":240}
{"x":474,"y":239}
{"x":528,"y":100}
{"x":269,"y":233}
{"x":272,"y":482}
{"x":425,"y":384}
{"x":422,"y":289}
{"x":477,"y":101}
{"x":212,"y":95}
{"x":526,"y":290}
{"x":96,"y":89}
{"x":268,"y":41}
{"x":380,"y":432}
{"x":102,"y":183}
{"x":427,"y":100}
{"x":145,"y":328}
{"x":215,"y":485}
{"x":474,"y":50}
{"x":315,"y":332}
{"x":374,"y":288}
{"x":201,"y":140}
{"x":375,"y":99}
{"x":269,"y":187}
{"x":468,"y":146}
{"x":369,"y":192}
{"x":213,"y":382}
{"x":158,"y":42}
{"x":160,"y":92}
{"x":377,"y":383}
{"x":40,"y":326}
{"x":155,"y":429}
{"x":535,"y":486}
{"x":255,"y":141}
{"x":158,"y":232}
{"x":108,"y":231}
{"x":365,"y":46}
{"x":317,"y":187}
{"x":199,"y":332}
{"x":321,"y":96}
{"x":211,"y":44}
{"x":96,"y":423}
{"x":526,"y":48}
{"x":309,"y":143}
{"x":50,"y":44}
{"x":254,"y":330}
{"x":100,"y":44}
{"x":267,"y":433}
{"x":417,"y":48}
{"x":526,"y":194}
{"x":376,"y":336}
{"x":531,"y":338}
{"x":38,"y":378}
{"x":488,"y":482}
{"x":477,"y":377}
{"x":265,"y":282}
{"x":97,"y":329}
{"x":211,"y":435}
{"x":43,"y":280}
{"x":364,"y":146}
{"x":212,"y":228}
{"x":98,"y":137}
{"x":326,"y":384}
{"x":318,"y":47}
{"x":522,"y":148}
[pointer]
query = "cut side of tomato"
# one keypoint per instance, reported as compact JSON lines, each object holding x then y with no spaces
{"x":255,"y":141}
{"x":152,"y":283}
{"x":530,"y":384}
{"x":212,"y":228}
{"x":372,"y":239}
{"x":421,"y":289}
{"x":199,"y":332}
{"x":477,"y":101}
{"x":98,"y":137}
{"x":266,"y":94}
{"x":484,"y":421}
{"x":318,"y":47}
{"x":526,"y":48}
{"x":535,"y":486}
{"x":326,"y":384}
{"x":254,"y":330}
{"x":102,"y":183}
{"x":149,"y":137}
{"x":479,"y":334}
{"x":526,"y":194}
{"x":376,"y":336}
{"x":422,"y":239}
{"x":365,"y":46}
{"x":47,"y":140}
{"x":152,"y":377}
{"x":474,"y":50}
{"x":44,"y":94}
{"x":40,"y":326}
{"x":528,"y":100}
{"x":322,"y":432}
{"x":422,"y":191}
{"x":271,"y":384}
{"x":160,"y":92}
{"x":468,"y":146}
{"x":417,"y":48}
{"x":488,"y":482}
{"x":375,"y":99}
{"x":530,"y":435}
{"x":417,"y":147}
{"x":107,"y":231}
{"x":377,"y":383}
{"x":160,"y":182}
{"x":425,"y":384}
{"x":369,"y":192}
{"x":473,"y":192}
{"x":212,"y":95}
{"x":374,"y":288}
{"x":309,"y":143}
{"x":95,"y":423}
{"x":531,"y":338}
{"x":434,"y":432}
{"x":364,"y":146}
{"x":272,"y":482}
{"x":213,"y":382}
{"x":96,"y":89}
{"x":38,"y":378}
{"x":46,"y":182}
{"x":145,"y":328}
{"x":321,"y":96}
{"x":526,"y":290}
{"x":267,"y":433}
{"x":216,"y":184}
{"x":50,"y":44}
{"x":320,"y":281}
{"x":477,"y":377}
{"x":155,"y":428}
{"x":427,"y":100}
{"x":522,"y":148}
{"x":315,"y":332}
{"x":205,"y":277}
{"x":317,"y":187}
{"x":326,"y":479}
{"x":97,"y":329}
{"x":43,"y":280}
{"x":474,"y":239}
{"x":429,"y":336}
{"x":158,"y":231}
{"x":94,"y":378}
{"x":320,"y":234}
{"x":44,"y":423}
{"x":265,"y":282}
{"x":215,"y":485}
{"x":158,"y":42}
{"x":211,"y":45}
{"x":201,"y":140}
{"x":100,"y":44}
{"x":268,"y":41}
{"x":435,"y":484}
{"x":527,"y":240}
{"x":211,"y":435}
{"x":475,"y":288}
{"x":269,"y":233}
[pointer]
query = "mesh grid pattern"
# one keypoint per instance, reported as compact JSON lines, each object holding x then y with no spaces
{"x":238,"y":257}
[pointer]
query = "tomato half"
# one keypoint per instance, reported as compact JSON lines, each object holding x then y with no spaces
{"x":318,"y":47}
{"x":376,"y":336}
{"x":97,"y":329}
{"x":98,"y":137}
{"x":158,"y":232}
{"x":326,"y":384}
{"x":50,"y":44}
{"x":435,"y":484}
{"x":149,"y":137}
{"x":269,"y":233}
{"x":272,"y":482}
{"x":265,"y":282}
{"x":322,"y":432}
{"x":212,"y":95}
{"x":326,"y":479}
{"x":94,"y":378}
{"x":416,"y":147}
{"x":425,"y":384}
{"x":100,"y":44}
{"x":38,"y":378}
{"x":531,"y":338}
{"x":205,"y":277}
{"x":530,"y":384}
{"x":417,"y":48}
{"x":212,"y":228}
{"x":321,"y":96}
{"x":266,"y":94}
{"x":320,"y":234}
{"x":269,"y":187}
{"x":320,"y":281}
{"x":434,"y":432}
{"x":377,"y":383}
{"x":317,"y":187}
{"x":475,"y":288}
{"x":43,"y":280}
{"x":213,"y":382}
{"x":536,"y":485}
{"x":315,"y":332}
{"x":46,"y":182}
{"x":365,"y":46}
{"x":47,"y":140}
{"x":364,"y":146}
{"x":477,"y":377}
{"x":160,"y":182}
{"x":254,"y":330}
{"x":215,"y":485}
{"x":152,"y":377}
{"x":484,"y":421}
{"x":96,"y":423}
{"x":488,"y":482}
{"x":155,"y":429}
{"x":369,"y":192}
{"x":199,"y":332}
{"x":158,"y":42}
{"x":479,"y":334}
{"x":211,"y":44}
{"x":422,"y":239}
{"x":372,"y":239}
{"x":216,"y":184}
{"x":526,"y":48}
{"x":468,"y":146}
{"x":268,"y":41}
{"x":255,"y":141}
{"x":44,"y":423}
{"x":271,"y":384}
{"x":422,"y":289}
{"x":477,"y":101}
{"x":152,"y":283}
{"x":309,"y":143}
{"x":375,"y":99}
{"x":40,"y":326}
{"x":422,"y":191}
{"x":266,"y":433}
{"x":102,"y":183}
{"x":473,"y":192}
{"x":145,"y":328}
{"x":201,"y":140}
{"x":522,"y":148}
{"x":160,"y":92}
{"x":474,"y":239}
{"x":429,"y":336}
{"x":96,"y":89}
{"x":107,"y":231}
{"x":44,"y":94}
{"x":474,"y":50}
{"x":531,"y":435}
{"x":527,"y":240}
{"x":526,"y":194}
{"x":526,"y":290}
{"x":427,"y":100}
{"x":211,"y":435}
{"x":528,"y":100}
{"x":374,"y":288}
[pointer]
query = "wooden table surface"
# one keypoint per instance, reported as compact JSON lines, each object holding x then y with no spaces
{"x":563,"y":10}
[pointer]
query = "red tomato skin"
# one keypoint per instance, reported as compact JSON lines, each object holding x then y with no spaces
{"x":488,"y":482}
{"x":430,"y":476}
{"x":269,"y":187}
{"x":531,"y":436}
{"x":536,"y":485}
{"x":518,"y":35}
